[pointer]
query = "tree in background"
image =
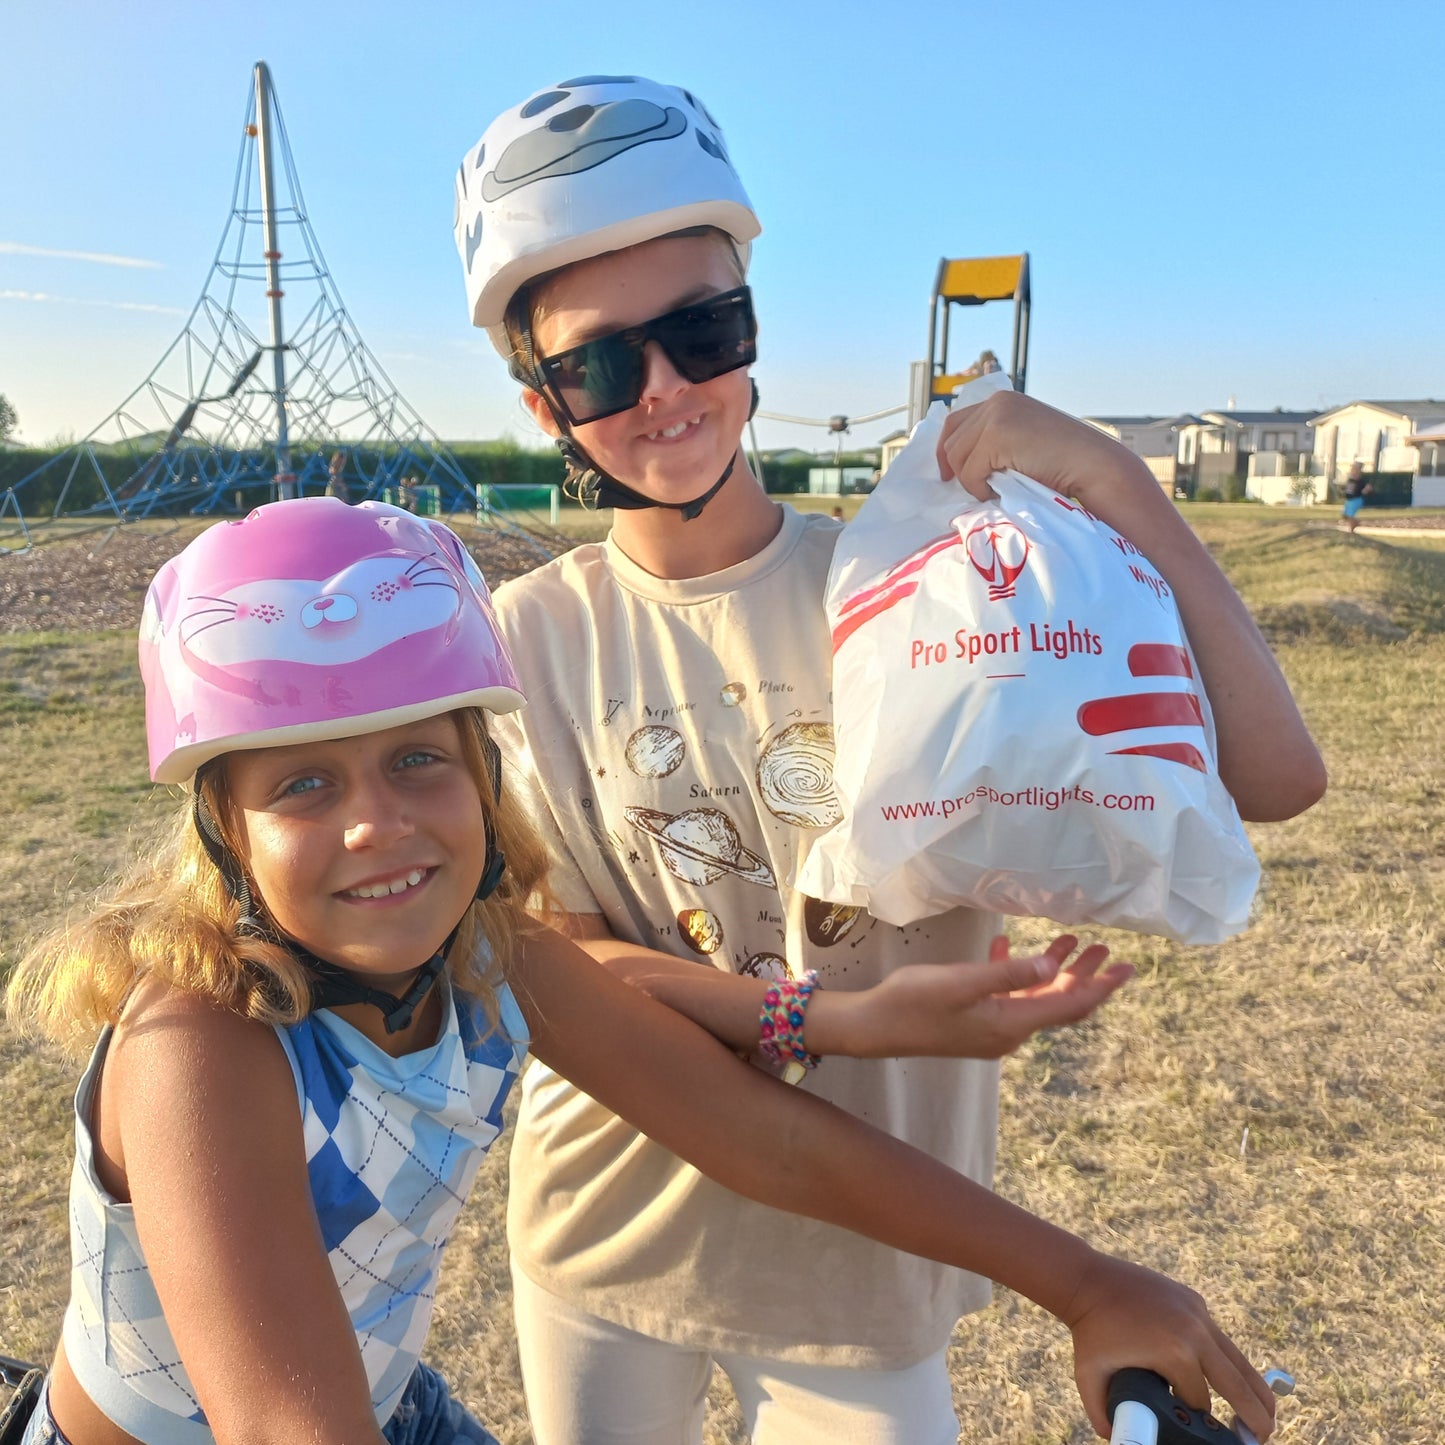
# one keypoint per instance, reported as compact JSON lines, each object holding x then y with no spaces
{"x":8,"y":419}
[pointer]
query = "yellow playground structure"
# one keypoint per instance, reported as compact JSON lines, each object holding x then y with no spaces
{"x":972,"y":282}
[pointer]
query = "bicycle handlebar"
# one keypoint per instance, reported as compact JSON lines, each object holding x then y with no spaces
{"x":1145,"y":1411}
{"x":13,"y":1371}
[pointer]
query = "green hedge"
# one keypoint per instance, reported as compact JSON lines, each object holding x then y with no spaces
{"x":502,"y":463}
{"x":1387,"y":489}
{"x":508,"y":465}
{"x":39,"y":497}
{"x":785,"y":478}
{"x":495,"y":462}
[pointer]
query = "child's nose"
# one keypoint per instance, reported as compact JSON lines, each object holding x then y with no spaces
{"x":660,"y":378}
{"x":377,"y":817}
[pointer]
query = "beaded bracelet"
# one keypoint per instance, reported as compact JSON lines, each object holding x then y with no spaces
{"x":780,"y":1026}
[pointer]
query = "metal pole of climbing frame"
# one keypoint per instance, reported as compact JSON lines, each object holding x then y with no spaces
{"x":285,"y":477}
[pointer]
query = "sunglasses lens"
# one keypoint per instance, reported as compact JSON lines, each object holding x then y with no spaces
{"x":597,"y":379}
{"x":708,"y":340}
{"x":604,"y":376}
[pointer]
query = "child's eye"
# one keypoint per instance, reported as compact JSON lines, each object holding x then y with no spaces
{"x":416,"y":759}
{"x":297,"y":786}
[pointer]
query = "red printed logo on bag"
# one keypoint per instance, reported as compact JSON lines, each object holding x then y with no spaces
{"x":1105,"y":715}
{"x":998,"y":551}
{"x":898,"y":583}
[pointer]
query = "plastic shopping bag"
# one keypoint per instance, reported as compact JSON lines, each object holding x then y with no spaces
{"x":1018,"y":718}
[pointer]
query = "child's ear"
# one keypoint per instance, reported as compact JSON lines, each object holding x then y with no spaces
{"x":541,"y":412}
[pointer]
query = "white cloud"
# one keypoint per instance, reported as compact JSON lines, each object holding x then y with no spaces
{"x":79,"y":301}
{"x":17,"y":248}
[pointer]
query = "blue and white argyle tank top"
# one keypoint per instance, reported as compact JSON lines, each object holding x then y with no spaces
{"x":392,"y":1147}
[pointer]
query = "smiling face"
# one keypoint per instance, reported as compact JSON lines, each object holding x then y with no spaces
{"x":366,"y":850}
{"x":680,"y":436}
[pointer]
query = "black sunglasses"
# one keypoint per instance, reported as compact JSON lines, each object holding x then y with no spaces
{"x":604,"y":376}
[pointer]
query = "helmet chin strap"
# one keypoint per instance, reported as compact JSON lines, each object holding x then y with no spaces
{"x":594,"y":484}
{"x":604,"y":491}
{"x":331,"y":984}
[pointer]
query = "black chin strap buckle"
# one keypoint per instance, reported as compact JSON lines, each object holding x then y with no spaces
{"x":331,"y":986}
{"x":397,"y":1013}
{"x":594,"y":487}
{"x":607,"y":491}
{"x":692,"y":509}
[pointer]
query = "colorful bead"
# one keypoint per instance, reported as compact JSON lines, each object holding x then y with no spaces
{"x":780,"y":1022}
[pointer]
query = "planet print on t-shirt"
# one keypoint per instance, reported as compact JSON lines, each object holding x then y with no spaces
{"x":701,"y":845}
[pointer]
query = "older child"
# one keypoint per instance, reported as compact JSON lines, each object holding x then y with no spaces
{"x":312,"y":1005}
{"x":678,"y":749}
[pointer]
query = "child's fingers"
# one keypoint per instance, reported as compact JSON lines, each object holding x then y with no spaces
{"x":1070,"y":1005}
{"x":1063,"y":946}
{"x":1117,"y":975}
{"x":1004,"y":975}
{"x":1089,"y":962}
{"x":1024,"y":1014}
{"x":1007,"y":974}
{"x":961,"y":458}
{"x":1243,"y":1386}
{"x":1091,"y":991}
{"x":1086,"y":965}
{"x":1086,"y":975}
{"x":1224,"y":1368}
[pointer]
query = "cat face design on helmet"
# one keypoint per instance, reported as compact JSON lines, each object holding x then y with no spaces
{"x":311,"y":619}
{"x":582,"y":136}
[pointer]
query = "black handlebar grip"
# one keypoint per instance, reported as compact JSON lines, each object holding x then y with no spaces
{"x":1178,"y":1424}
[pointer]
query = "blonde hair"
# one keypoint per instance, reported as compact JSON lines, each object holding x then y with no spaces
{"x":170,"y":917}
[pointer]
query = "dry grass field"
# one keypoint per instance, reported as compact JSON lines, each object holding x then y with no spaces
{"x":1265,"y":1119}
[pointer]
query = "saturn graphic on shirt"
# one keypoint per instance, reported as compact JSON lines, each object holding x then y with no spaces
{"x":701,"y":845}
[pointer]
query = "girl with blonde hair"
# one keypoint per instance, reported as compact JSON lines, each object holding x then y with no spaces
{"x":312,"y":1002}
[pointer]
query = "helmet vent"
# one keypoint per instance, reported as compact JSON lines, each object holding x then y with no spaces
{"x":539,"y":103}
{"x":572,"y":119}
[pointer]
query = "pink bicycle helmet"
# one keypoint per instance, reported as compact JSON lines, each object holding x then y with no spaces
{"x":313,"y":619}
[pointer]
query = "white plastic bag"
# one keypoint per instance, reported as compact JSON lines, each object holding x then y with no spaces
{"x":1018,"y":718}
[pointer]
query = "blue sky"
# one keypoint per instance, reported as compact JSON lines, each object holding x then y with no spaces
{"x":1218,"y":200}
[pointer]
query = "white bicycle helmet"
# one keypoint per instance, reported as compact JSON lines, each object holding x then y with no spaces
{"x":584,"y":167}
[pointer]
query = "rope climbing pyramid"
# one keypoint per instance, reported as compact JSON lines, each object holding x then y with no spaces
{"x":268,"y":391}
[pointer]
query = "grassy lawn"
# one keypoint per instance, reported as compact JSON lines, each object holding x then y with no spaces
{"x":1265,"y":1119}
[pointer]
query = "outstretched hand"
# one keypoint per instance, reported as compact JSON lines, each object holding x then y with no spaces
{"x":984,"y":1010}
{"x":1125,"y":1316}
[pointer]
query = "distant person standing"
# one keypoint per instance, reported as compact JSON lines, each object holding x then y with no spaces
{"x":336,"y":478}
{"x":987,"y":362}
{"x":1357,"y":488}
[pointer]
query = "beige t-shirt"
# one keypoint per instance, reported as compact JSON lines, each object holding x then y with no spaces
{"x":677,"y":747}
